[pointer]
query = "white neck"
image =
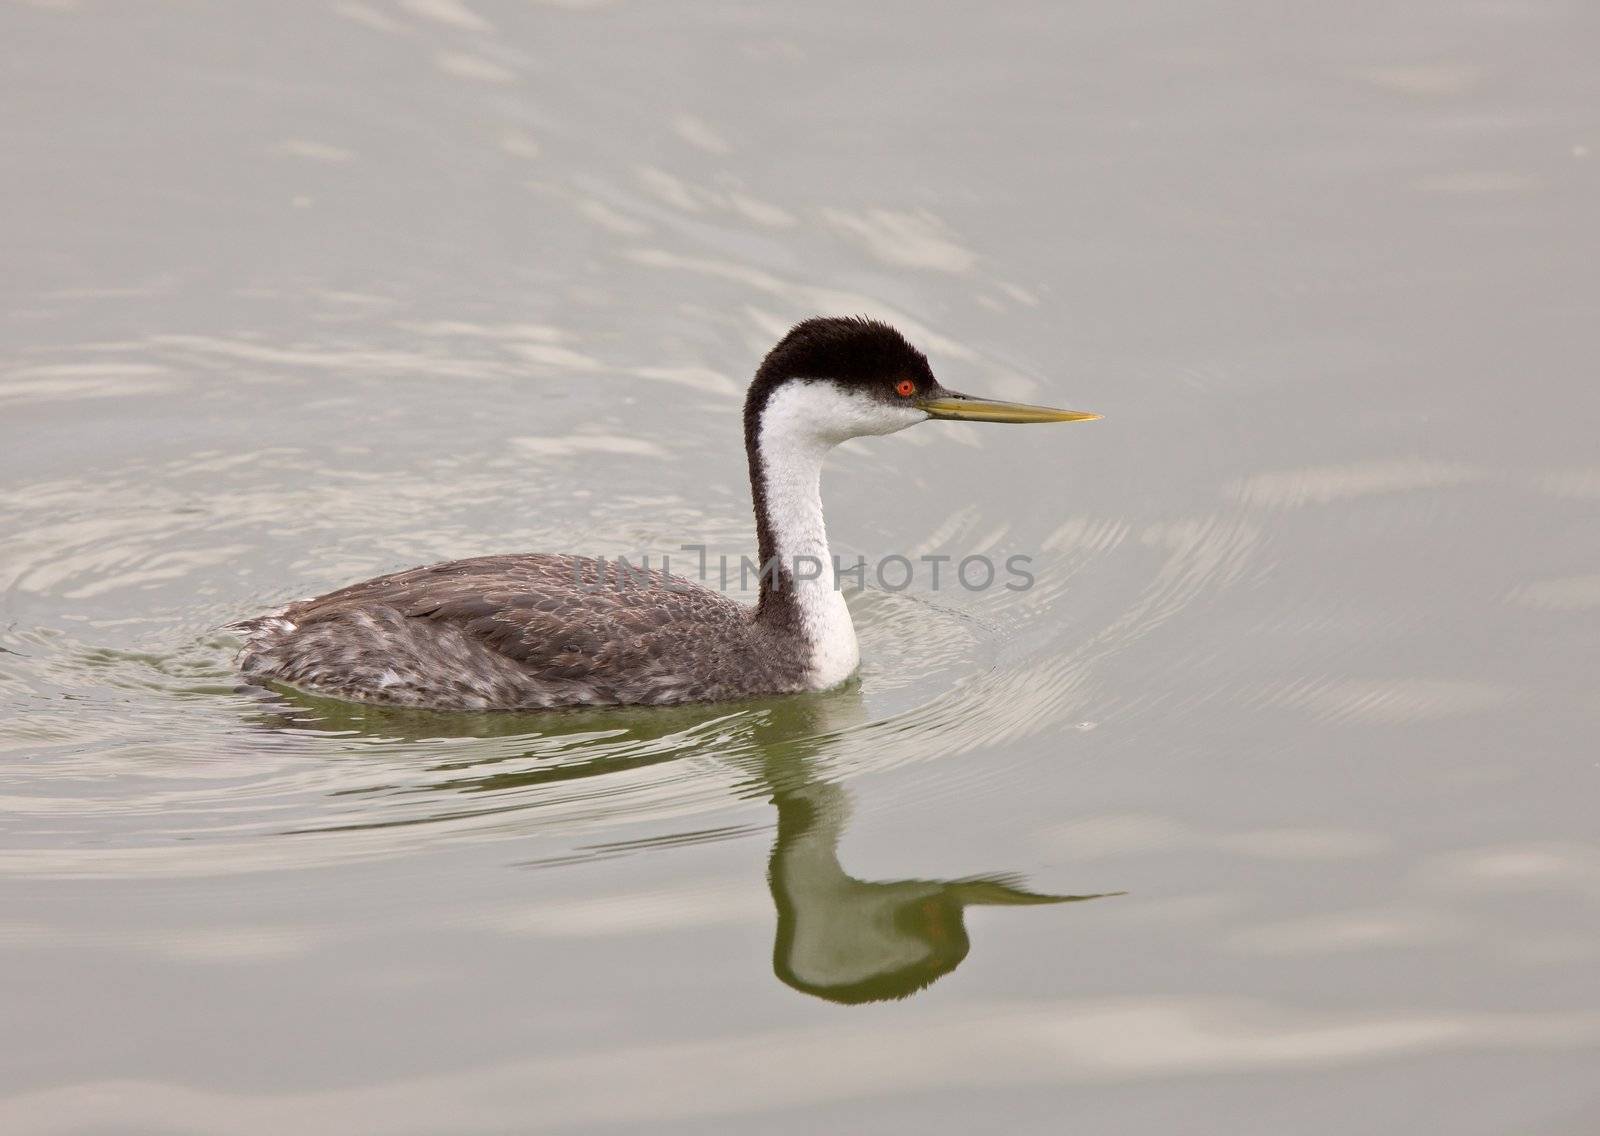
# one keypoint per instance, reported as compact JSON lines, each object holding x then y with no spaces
{"x":792,"y":442}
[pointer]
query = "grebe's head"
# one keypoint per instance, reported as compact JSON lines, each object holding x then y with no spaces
{"x":832,"y":379}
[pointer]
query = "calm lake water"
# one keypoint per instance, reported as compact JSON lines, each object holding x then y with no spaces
{"x":298,"y":293}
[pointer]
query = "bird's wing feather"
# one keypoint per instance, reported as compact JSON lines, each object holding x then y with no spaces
{"x":547,"y":613}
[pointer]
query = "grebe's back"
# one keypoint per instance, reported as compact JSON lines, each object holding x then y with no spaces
{"x":534,"y":631}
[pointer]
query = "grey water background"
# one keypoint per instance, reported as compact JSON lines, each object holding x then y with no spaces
{"x":296,"y":293}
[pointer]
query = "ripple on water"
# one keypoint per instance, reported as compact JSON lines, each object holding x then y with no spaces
{"x":146,"y":760}
{"x":137,"y":753}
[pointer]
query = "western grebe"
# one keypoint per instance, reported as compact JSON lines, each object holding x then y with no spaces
{"x":529,"y":631}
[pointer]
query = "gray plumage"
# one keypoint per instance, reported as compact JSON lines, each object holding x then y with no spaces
{"x":522,"y":632}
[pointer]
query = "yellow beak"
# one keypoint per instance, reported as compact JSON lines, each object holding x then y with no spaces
{"x":959,"y":407}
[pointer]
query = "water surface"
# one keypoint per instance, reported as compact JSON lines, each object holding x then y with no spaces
{"x":1270,"y":805}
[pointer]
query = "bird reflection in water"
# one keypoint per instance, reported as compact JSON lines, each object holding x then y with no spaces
{"x":852,"y":940}
{"x":839,"y":938}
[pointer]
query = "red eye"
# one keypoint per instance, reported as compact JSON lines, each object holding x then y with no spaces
{"x":905,"y":388}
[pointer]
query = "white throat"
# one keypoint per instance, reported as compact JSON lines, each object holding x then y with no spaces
{"x":800,"y":423}
{"x":792,"y":449}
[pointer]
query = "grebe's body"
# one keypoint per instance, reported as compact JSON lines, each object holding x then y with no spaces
{"x":523,"y":632}
{"x":540,"y":631}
